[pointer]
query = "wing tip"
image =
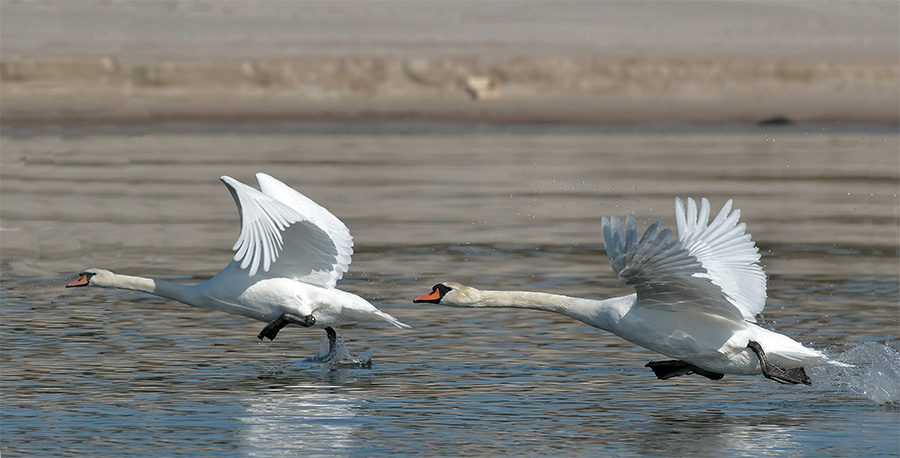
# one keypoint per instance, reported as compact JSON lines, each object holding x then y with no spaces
{"x":262,"y":176}
{"x":229,"y":183}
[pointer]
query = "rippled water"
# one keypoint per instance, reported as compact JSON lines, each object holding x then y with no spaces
{"x":106,"y":373}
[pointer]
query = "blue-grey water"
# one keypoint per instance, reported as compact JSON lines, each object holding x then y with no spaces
{"x":89,"y":372}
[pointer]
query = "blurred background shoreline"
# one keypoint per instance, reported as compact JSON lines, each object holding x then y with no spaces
{"x":580,"y":62}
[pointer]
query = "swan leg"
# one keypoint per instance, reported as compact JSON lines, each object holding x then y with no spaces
{"x":271,"y":329}
{"x":332,"y":347}
{"x":786,"y":376}
{"x":665,"y":370}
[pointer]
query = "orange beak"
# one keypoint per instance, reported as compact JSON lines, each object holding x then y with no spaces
{"x":82,"y":281}
{"x":430,"y":297}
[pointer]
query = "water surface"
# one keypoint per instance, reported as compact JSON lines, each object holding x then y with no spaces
{"x":106,"y":373}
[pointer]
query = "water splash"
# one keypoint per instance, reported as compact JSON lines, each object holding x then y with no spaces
{"x":869,"y":369}
{"x":273,"y":366}
{"x":342,"y":356}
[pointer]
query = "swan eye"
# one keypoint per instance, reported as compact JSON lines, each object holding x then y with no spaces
{"x":442,"y":289}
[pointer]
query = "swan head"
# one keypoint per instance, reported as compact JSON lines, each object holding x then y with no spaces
{"x":94,"y":277}
{"x":452,"y":294}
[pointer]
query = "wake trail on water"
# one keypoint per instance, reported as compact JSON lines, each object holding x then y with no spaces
{"x":870,"y":369}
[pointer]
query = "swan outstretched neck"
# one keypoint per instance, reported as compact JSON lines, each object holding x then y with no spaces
{"x":601,"y":314}
{"x":105,"y":279}
{"x":695,"y":298}
{"x":288,"y":258}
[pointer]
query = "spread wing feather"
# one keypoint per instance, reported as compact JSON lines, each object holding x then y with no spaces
{"x":726,"y":251}
{"x":710,"y":267}
{"x":339,"y":250}
{"x":283,"y":235}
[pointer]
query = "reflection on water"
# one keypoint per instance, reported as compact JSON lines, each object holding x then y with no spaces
{"x":299,"y":420}
{"x":757,"y":435}
{"x":123,"y":374}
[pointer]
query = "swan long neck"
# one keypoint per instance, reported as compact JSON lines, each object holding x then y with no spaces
{"x":526,"y":299}
{"x":602,"y":314}
{"x":175,"y":291}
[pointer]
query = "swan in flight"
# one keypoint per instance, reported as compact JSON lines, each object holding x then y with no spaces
{"x":695,"y":300}
{"x":289,"y":255}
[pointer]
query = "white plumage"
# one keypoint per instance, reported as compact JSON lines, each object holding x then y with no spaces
{"x":696,"y":298}
{"x":288,"y":258}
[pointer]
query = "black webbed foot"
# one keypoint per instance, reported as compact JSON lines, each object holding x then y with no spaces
{"x":786,"y":376}
{"x":665,"y":370}
{"x":271,"y":329}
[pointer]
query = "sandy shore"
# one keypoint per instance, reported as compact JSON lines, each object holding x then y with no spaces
{"x":496,"y":62}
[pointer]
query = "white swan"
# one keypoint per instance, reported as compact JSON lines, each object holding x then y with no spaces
{"x":696,"y":298}
{"x":290,"y":254}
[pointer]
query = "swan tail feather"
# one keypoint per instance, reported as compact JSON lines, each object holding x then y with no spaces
{"x":392,"y":320}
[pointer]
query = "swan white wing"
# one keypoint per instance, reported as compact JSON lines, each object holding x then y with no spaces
{"x":278,"y":241}
{"x":664,"y":274}
{"x":318,"y":215}
{"x":726,"y":252}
